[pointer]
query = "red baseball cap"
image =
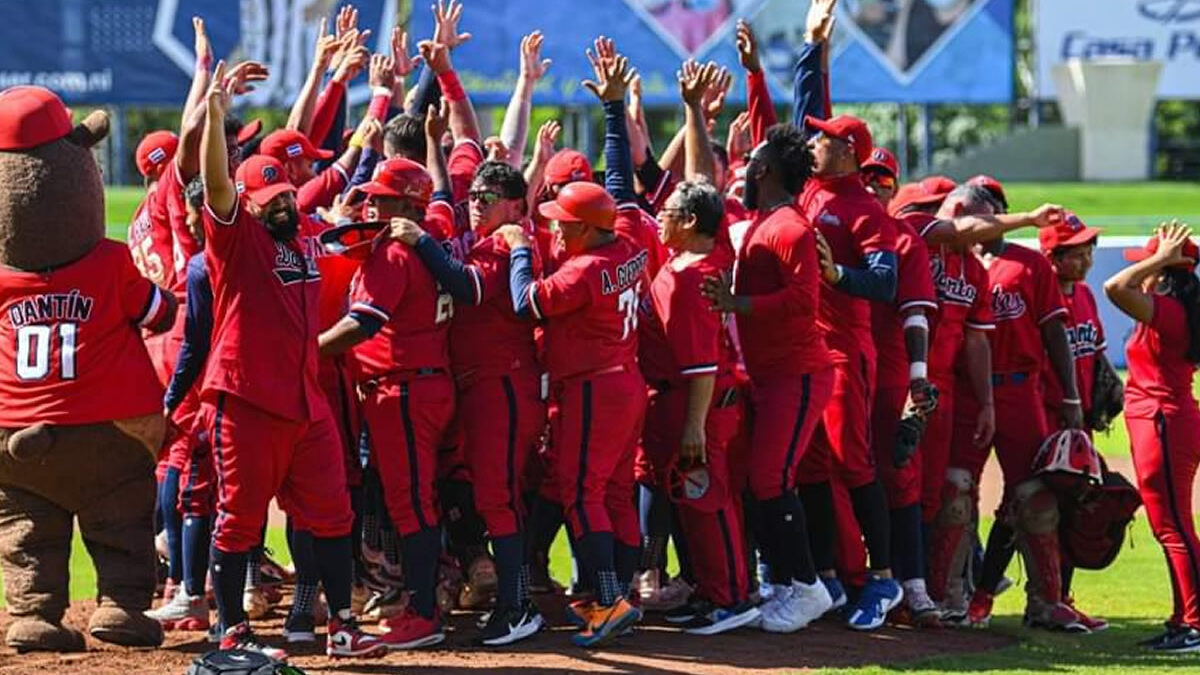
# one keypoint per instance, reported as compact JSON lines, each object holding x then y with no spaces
{"x":1190,"y":250}
{"x":31,"y":116}
{"x":847,"y":128}
{"x":248,"y":131}
{"x":882,"y":159}
{"x":154,"y":151}
{"x":1070,"y":231}
{"x":261,"y":179}
{"x":567,"y":166}
{"x":284,"y":144}
{"x":991,"y":185}
{"x":931,"y":190}
{"x":401,"y":178}
{"x":582,"y":202}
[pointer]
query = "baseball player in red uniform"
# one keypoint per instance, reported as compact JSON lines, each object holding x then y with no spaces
{"x":398,"y":326}
{"x":271,"y":435}
{"x":589,"y":306}
{"x":858,"y":247}
{"x":775,"y":295}
{"x":689,"y":363}
{"x":1161,"y":293}
{"x":1028,"y":310}
{"x":1069,"y":247}
{"x":498,"y":380}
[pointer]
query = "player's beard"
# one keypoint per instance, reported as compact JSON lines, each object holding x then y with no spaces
{"x":750,"y":193}
{"x":283,"y":223}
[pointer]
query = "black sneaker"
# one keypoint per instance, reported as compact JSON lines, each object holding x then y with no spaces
{"x":241,"y":637}
{"x":506,"y":626}
{"x":1183,"y":642}
{"x":723,"y":619}
{"x":695,"y":607}
{"x":1170,"y":631}
{"x":299,"y":628}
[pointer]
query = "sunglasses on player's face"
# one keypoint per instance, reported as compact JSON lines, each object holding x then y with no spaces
{"x":488,"y":197}
{"x":882,"y":180}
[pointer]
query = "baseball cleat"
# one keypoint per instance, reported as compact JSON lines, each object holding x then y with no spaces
{"x":347,"y":639}
{"x":506,"y":626}
{"x":607,"y":623}
{"x":724,"y":619}
{"x":879,"y":597}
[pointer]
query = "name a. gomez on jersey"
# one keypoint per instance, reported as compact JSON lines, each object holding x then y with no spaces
{"x":292,"y":266}
{"x":629,"y":273}
{"x":1007,"y":306}
{"x":951,"y":289}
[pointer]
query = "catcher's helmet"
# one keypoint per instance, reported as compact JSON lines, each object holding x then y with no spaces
{"x":1068,"y":454}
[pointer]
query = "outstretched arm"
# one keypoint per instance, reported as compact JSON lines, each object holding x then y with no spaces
{"x":514,"y":132}
{"x":219,"y":192}
{"x":613,"y":75}
{"x":762,"y":112}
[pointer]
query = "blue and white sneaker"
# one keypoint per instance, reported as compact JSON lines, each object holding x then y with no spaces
{"x":878,"y":598}
{"x":837,"y":592}
{"x":722,"y":619}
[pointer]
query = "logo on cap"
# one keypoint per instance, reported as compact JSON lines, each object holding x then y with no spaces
{"x":295,"y":150}
{"x":157,"y":155}
{"x":877,"y":155}
{"x":269,"y":174}
{"x":1074,"y":222}
{"x":240,"y":187}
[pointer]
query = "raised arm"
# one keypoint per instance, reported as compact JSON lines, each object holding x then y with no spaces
{"x":437,"y":120}
{"x":762,"y":112}
{"x":300,"y":117}
{"x":694,"y":80}
{"x":964,"y":230}
{"x":219,"y":192}
{"x":613,"y":75}
{"x":404,"y":66}
{"x":810,"y":95}
{"x":1124,"y":288}
{"x":543,"y":150}
{"x":514,"y":132}
{"x":436,"y":52}
{"x":187,"y":156}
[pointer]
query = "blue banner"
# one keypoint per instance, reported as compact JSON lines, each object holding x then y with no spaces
{"x":140,"y":51}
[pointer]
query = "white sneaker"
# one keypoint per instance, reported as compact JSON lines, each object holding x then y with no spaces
{"x":778,"y":593}
{"x":804,"y":604}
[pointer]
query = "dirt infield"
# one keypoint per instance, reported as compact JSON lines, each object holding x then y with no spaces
{"x":654,"y":649}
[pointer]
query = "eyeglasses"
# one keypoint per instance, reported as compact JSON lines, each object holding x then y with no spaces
{"x":883,"y":180}
{"x":488,"y":197}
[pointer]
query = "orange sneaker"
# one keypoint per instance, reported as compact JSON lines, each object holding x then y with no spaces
{"x":607,"y":623}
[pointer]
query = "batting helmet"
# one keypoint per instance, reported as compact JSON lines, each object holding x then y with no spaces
{"x":402,"y":178}
{"x":582,"y":202}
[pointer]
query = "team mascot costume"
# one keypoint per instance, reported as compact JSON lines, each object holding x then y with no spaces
{"x":79,"y":428}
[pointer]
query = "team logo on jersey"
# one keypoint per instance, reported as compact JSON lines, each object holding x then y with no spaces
{"x":50,"y":307}
{"x":628,"y":274}
{"x":829,"y":220}
{"x":951,"y":289}
{"x":1084,"y":338}
{"x":1007,"y":306}
{"x":293,"y":267}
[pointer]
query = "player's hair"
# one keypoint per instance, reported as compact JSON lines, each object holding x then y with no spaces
{"x":720,"y":154}
{"x":193,"y":192}
{"x":504,"y":176}
{"x":790,"y":156}
{"x":404,"y":135}
{"x":701,"y":199}
{"x":1185,"y":287}
{"x":974,"y":198}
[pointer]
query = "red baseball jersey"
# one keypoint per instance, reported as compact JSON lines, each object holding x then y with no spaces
{"x":777,"y":266}
{"x":855,"y":225}
{"x":680,"y":336}
{"x":70,"y":348}
{"x":487,"y":337}
{"x":1025,"y":295}
{"x":1086,"y":336}
{"x":963,"y":302}
{"x":150,"y":241}
{"x":914,"y":290}
{"x":590,"y":306}
{"x":1160,"y":374}
{"x":394,"y":286}
{"x":171,"y":212}
{"x":320,"y":190}
{"x":643,"y":230}
{"x":266,"y":316}
{"x":462,"y":163}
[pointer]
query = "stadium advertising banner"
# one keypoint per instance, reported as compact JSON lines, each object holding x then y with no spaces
{"x":1145,"y":30}
{"x":140,"y":51}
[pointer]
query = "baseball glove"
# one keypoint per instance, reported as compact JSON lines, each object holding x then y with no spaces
{"x":922,"y":401}
{"x":1108,"y":395}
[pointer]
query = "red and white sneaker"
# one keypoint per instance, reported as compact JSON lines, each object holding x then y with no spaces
{"x":241,"y":637}
{"x":1094,"y":624}
{"x":1057,"y":616}
{"x":347,"y":639}
{"x":411,"y":631}
{"x":979,"y":611}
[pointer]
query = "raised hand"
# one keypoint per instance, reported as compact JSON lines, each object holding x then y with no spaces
{"x":547,"y":137}
{"x":1047,"y":215}
{"x":718,"y":88}
{"x":220,"y":92}
{"x":436,"y":54}
{"x":496,"y":150}
{"x":352,"y":64}
{"x":240,"y":76}
{"x":695,"y":81}
{"x":819,"y":24}
{"x":202,"y":48}
{"x":1172,"y":237}
{"x":747,"y":47}
{"x":613,"y":74}
{"x":327,"y":46}
{"x":346,"y":21}
{"x":437,"y":121}
{"x":405,"y":64}
{"x":446,"y":18}
{"x":533,"y":66}
{"x":737,"y":143}
{"x":382,"y":71}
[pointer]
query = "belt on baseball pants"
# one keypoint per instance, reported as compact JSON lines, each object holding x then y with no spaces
{"x":402,"y":375}
{"x":726,"y":398}
{"x":609,"y":370}
{"x":1000,"y":379}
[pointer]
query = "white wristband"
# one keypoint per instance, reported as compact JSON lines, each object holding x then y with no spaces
{"x":916,"y":321}
{"x":1072,"y":401}
{"x":381,"y":91}
{"x":918,"y":370}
